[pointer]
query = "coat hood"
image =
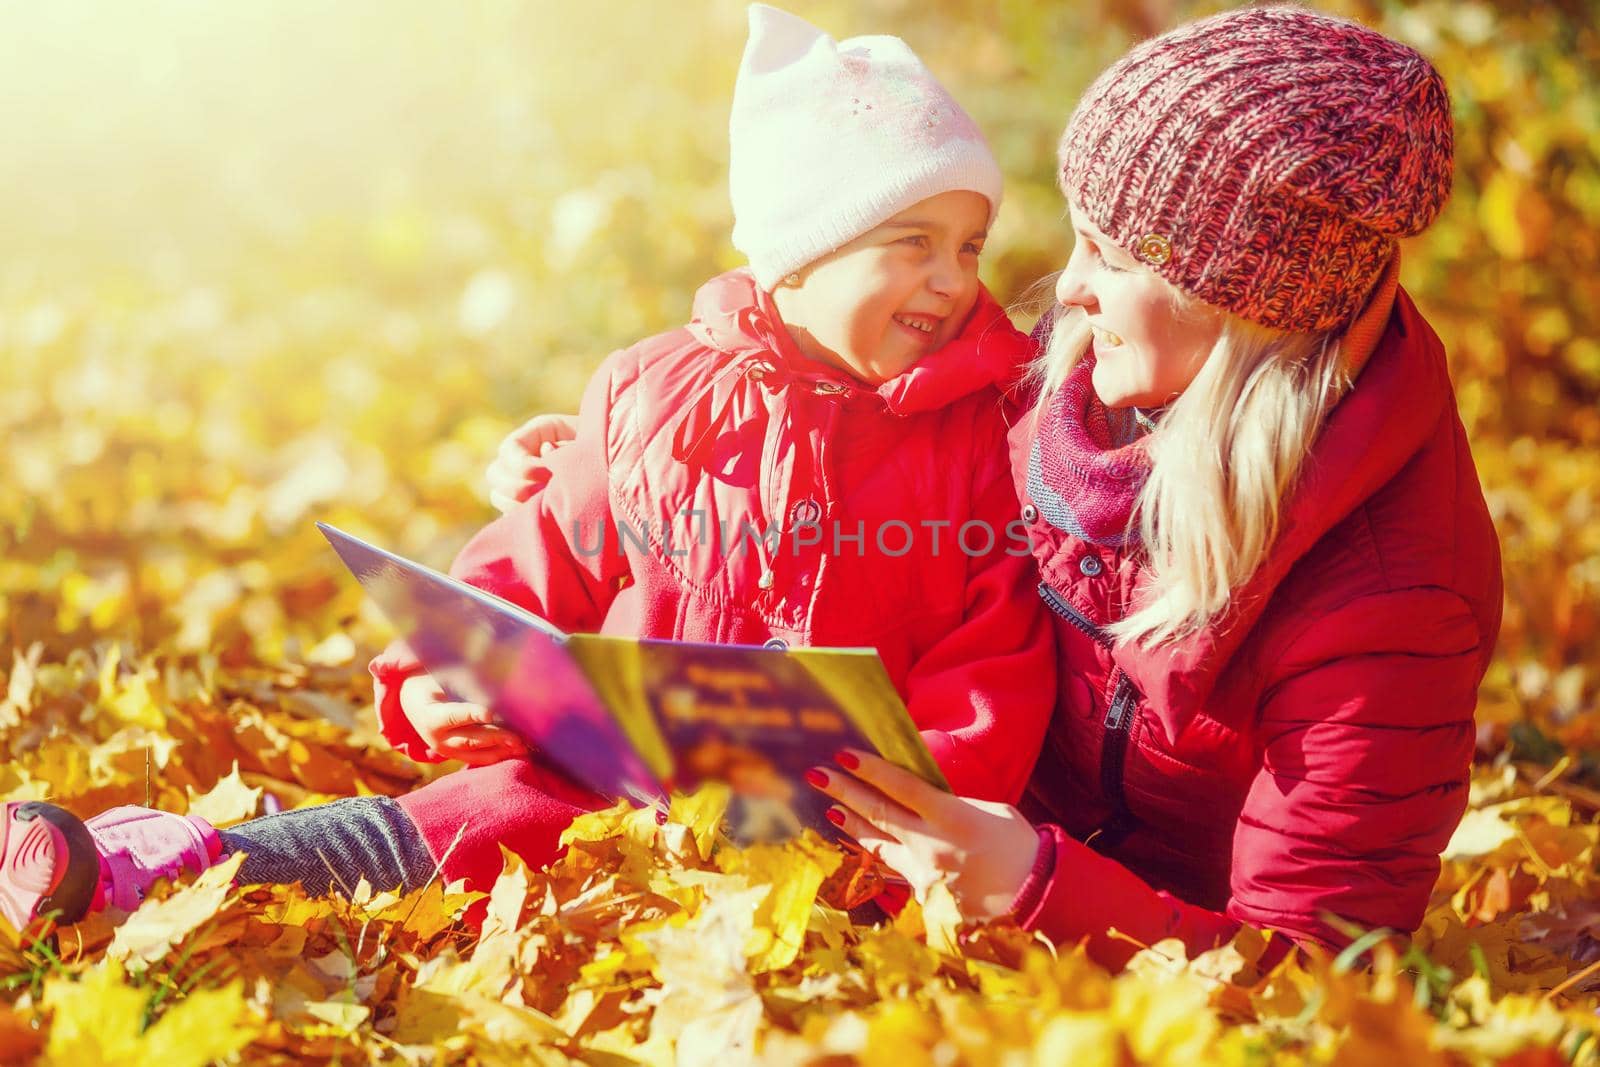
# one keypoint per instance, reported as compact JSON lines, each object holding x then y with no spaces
{"x":733,"y":315}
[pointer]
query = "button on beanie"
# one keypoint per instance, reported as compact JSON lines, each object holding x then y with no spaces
{"x":830,"y":139}
{"x":1265,"y":160}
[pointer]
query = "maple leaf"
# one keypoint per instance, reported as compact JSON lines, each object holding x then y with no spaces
{"x":158,"y":924}
{"x":205,"y":1026}
{"x":893,"y":961}
{"x":702,"y":812}
{"x":19,"y":695}
{"x":707,"y":1002}
{"x":427,"y":912}
{"x":514,"y":1025}
{"x":100,"y":1019}
{"x":858,"y":878}
{"x":228,"y":802}
{"x":129,"y":697}
{"x":95,"y":1020}
{"x":427,"y":1011}
{"x":792,"y":871}
{"x":941,"y":920}
{"x":1501,"y":1028}
{"x":1166,"y":1021}
{"x":506,"y":899}
{"x":343,"y":1016}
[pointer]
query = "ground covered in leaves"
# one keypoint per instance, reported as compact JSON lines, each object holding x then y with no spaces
{"x":249,"y":284}
{"x":654,"y":943}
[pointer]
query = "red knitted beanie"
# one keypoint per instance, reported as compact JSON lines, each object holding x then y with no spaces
{"x":1265,"y":160}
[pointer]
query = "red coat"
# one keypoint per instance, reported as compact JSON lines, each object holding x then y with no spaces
{"x":1308,"y":753}
{"x":724,"y":424}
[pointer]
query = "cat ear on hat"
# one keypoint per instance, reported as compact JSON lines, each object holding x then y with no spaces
{"x":778,"y":39}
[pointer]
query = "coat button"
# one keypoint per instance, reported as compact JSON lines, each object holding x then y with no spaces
{"x":777,"y":644}
{"x":827,"y":388}
{"x":1030,"y":513}
{"x":806,"y":513}
{"x":1090,"y":566}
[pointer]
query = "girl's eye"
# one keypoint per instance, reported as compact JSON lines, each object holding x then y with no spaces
{"x":972,"y":248}
{"x":916,"y":239}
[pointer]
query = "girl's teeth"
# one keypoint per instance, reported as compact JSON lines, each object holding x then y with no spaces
{"x":923,"y":326}
{"x":1106,"y":336}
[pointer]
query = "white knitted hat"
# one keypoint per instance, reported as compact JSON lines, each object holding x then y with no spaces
{"x":829,"y":139}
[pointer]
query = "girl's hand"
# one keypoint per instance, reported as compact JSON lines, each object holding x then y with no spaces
{"x":519,"y":470}
{"x":981,"y":850}
{"x":465,"y":732}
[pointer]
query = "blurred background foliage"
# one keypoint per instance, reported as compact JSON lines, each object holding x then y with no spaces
{"x":270,"y":262}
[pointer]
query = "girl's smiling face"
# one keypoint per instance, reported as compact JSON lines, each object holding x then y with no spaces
{"x":896,"y":293}
{"x":1149,"y":341}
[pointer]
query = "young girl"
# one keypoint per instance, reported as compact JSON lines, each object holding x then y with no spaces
{"x":1256,"y":517}
{"x":817,"y":458}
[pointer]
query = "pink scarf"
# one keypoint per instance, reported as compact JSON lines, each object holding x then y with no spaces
{"x":1087,"y":463}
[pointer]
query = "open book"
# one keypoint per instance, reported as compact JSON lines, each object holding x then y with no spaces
{"x":636,"y":718}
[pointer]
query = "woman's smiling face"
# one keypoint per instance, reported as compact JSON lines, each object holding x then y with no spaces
{"x":1149,"y":343}
{"x":896,"y":293}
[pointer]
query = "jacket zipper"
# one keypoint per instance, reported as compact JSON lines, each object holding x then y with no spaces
{"x":1058,"y":604}
{"x":1118,"y":724}
{"x":1113,"y":758}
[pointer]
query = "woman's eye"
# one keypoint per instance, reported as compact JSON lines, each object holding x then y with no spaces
{"x":1094,"y":250}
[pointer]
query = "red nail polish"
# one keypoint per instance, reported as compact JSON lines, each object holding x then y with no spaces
{"x":816,"y":778}
{"x":835,"y":816}
{"x":847,"y":760}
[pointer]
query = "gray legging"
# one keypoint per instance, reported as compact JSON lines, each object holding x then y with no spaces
{"x":333,"y":846}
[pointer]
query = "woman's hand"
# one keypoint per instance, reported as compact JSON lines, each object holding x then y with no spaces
{"x":519,"y":470}
{"x":981,"y":850}
{"x":459,"y":731}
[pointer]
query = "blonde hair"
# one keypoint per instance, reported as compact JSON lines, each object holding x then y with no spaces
{"x":1223,"y":455}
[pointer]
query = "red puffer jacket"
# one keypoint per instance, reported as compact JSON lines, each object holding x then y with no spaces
{"x":695,"y":443}
{"x":1307,"y":755}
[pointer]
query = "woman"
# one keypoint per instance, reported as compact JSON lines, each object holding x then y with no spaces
{"x":1275,"y":582}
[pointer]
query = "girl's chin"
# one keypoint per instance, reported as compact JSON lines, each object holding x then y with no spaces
{"x":869,"y":372}
{"x":888,"y":364}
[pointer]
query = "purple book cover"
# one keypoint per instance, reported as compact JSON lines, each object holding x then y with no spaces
{"x":634,"y":718}
{"x":489,"y":651}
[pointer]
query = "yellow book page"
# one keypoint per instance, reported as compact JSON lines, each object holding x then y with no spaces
{"x":858,"y":684}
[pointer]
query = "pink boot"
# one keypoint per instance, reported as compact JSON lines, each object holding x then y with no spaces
{"x":52,"y":862}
